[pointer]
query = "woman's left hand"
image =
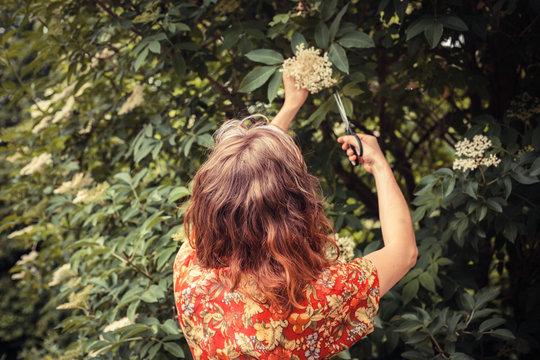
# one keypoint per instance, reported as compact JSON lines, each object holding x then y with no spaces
{"x":293,"y":97}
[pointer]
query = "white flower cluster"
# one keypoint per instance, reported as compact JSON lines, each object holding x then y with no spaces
{"x":77,"y":300}
{"x":28,"y":258}
{"x":61,"y":274}
{"x":102,"y":55}
{"x":42,"y":106}
{"x":25,"y":259}
{"x":135,"y":99}
{"x":78,"y":181}
{"x":118,"y":324}
{"x":472,"y":154}
{"x":346,"y":249}
{"x":26,"y":230}
{"x":309,"y":69}
{"x":37,"y":164}
{"x":86,"y":196}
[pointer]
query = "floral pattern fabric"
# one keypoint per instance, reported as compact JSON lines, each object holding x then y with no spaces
{"x":218,"y":323}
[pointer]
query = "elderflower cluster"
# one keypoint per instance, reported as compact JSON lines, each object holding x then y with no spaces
{"x":102,"y":55}
{"x":309,"y":69}
{"x":42,"y":106}
{"x":524,"y":107}
{"x":61,"y":274}
{"x":28,"y":258}
{"x":118,"y":324}
{"x":472,"y":154}
{"x":77,"y":300}
{"x":78,"y":181}
{"x":346,"y":249}
{"x":37,"y":164}
{"x":135,"y":99}
{"x":26,"y":230}
{"x":86,"y":196}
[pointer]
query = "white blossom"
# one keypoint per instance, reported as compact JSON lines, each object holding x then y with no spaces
{"x":135,"y":99}
{"x":310,"y":70}
{"x":118,"y":324}
{"x":14,"y":158}
{"x":65,"y":111}
{"x":26,"y":230}
{"x":28,"y":258}
{"x":37,"y":164}
{"x":472,"y":154}
{"x":78,"y":181}
{"x":18,"y":276}
{"x":61,"y":274}
{"x":86,"y":196}
{"x":346,"y":249}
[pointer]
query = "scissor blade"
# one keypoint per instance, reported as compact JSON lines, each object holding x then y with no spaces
{"x":341,"y":109}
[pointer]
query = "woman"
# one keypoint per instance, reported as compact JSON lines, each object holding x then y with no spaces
{"x":253,"y":280}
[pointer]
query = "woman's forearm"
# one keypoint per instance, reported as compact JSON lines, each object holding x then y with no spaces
{"x":286,"y":115}
{"x":399,"y":252}
{"x":396,"y":223}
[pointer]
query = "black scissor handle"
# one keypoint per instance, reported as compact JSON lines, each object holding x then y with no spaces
{"x":358,"y":151}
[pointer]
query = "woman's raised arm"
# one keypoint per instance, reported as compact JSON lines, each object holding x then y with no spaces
{"x":399,"y":253}
{"x":294,"y":99}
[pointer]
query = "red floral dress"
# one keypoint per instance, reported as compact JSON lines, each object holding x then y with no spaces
{"x":221,"y":324}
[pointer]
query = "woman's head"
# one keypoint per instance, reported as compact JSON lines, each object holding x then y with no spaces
{"x":256,"y":210}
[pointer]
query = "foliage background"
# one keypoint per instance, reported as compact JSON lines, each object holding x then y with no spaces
{"x":419,"y":74}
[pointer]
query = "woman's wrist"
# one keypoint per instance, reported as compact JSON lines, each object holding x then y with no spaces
{"x":382,"y":168}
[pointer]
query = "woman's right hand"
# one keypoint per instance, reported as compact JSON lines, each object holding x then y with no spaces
{"x":373,"y":158}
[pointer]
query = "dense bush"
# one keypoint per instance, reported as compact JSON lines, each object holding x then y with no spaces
{"x":108,"y":110}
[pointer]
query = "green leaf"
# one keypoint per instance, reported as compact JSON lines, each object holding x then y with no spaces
{"x":155,"y":47}
{"x":524,"y":179}
{"x":460,"y":356}
{"x":338,"y":57}
{"x":471,"y":188}
{"x":490,"y":324}
{"x":170,"y":327}
{"x":205,"y":140}
{"x":328,"y":8}
{"x":124,"y":176}
{"x":273,"y":86}
{"x":433,"y":33}
{"x":174,"y":349}
{"x":153,"y":351}
{"x":409,"y":291}
{"x":453,"y":22}
{"x":494,"y":205}
{"x":427,"y":281}
{"x":335,"y":24}
{"x":418,"y":26}
{"x":177,"y":193}
{"x":535,"y":168}
{"x":356,"y":39}
{"x":503,"y":334}
{"x":265,"y":56}
{"x":296,"y":40}
{"x":179,"y":65}
{"x":140,"y":59}
{"x":256,"y":78}
{"x":467,"y":301}
{"x":132,"y":310}
{"x":318,"y":115}
{"x":321,"y":35}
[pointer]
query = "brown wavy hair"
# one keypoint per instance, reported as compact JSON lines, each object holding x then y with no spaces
{"x":256,"y":210}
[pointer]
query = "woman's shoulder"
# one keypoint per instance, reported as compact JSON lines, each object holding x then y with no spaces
{"x":356,"y":277}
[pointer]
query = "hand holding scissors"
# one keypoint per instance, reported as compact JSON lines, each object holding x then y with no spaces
{"x":357,"y":151}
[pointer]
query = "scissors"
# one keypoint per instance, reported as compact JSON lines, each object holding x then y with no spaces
{"x":357,"y":151}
